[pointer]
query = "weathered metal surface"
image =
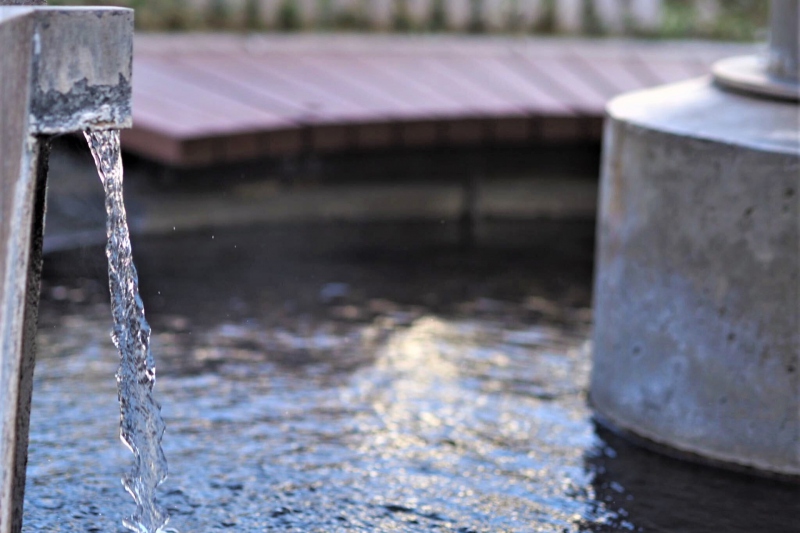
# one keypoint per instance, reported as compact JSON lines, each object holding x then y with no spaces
{"x":61,"y":69}
{"x":696,"y":342}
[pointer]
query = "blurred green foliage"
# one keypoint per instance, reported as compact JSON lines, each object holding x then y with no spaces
{"x":734,"y":20}
{"x":738,"y":20}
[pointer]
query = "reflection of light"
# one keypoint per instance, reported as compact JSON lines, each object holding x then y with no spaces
{"x":424,"y":385}
{"x":416,"y":351}
{"x":446,"y":420}
{"x":460,"y":400}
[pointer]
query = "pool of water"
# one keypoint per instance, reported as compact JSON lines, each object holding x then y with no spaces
{"x":360,"y":377}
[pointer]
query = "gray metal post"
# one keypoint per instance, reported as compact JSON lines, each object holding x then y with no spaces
{"x":61,"y":70}
{"x":783,"y":42}
{"x":778,"y":74}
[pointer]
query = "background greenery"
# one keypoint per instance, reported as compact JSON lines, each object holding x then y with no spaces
{"x":734,"y":20}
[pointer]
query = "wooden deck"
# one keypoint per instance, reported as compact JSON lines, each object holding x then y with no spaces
{"x":206,"y":99}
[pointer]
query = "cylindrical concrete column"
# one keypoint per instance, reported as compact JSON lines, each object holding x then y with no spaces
{"x":697,"y":293}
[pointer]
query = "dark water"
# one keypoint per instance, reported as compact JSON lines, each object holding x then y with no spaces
{"x":141,"y":425}
{"x":361,"y":378}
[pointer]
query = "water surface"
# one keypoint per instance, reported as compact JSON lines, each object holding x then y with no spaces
{"x":360,"y":377}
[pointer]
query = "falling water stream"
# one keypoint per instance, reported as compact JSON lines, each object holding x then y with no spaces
{"x":141,"y":425}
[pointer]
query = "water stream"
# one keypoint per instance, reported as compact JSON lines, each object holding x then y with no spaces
{"x":141,"y":425}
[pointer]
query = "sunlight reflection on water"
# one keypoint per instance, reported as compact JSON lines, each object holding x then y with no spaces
{"x":376,"y":410}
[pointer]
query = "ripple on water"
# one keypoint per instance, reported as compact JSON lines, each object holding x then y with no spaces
{"x":438,"y":425}
{"x":382,"y":417}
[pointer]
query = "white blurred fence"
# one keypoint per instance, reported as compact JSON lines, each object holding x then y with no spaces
{"x":564,"y":16}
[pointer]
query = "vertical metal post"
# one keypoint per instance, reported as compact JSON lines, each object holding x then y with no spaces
{"x":778,"y":76}
{"x":784,"y":40}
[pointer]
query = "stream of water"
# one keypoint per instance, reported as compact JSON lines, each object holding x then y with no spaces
{"x":141,"y":425}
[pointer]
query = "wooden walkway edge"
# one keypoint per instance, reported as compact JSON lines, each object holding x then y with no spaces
{"x":201,"y":99}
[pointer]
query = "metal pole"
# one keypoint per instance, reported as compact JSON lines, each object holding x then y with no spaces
{"x":784,"y":43}
{"x":777,"y":75}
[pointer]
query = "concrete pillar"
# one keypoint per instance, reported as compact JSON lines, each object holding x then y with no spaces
{"x":697,"y":322}
{"x":61,"y":70}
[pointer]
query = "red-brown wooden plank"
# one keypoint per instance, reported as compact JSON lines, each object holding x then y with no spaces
{"x":292,"y":100}
{"x":467,"y":109}
{"x":158,"y":78}
{"x":611,"y":76}
{"x":174,"y":113}
{"x":577,"y":90}
{"x":671,"y":70}
{"x":437,"y":86}
{"x":210,"y":99}
{"x":345,"y":83}
{"x":391,"y":82}
{"x":492,"y":80}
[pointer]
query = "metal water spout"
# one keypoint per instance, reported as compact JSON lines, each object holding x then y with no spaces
{"x":61,"y":70}
{"x":697,"y":322}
